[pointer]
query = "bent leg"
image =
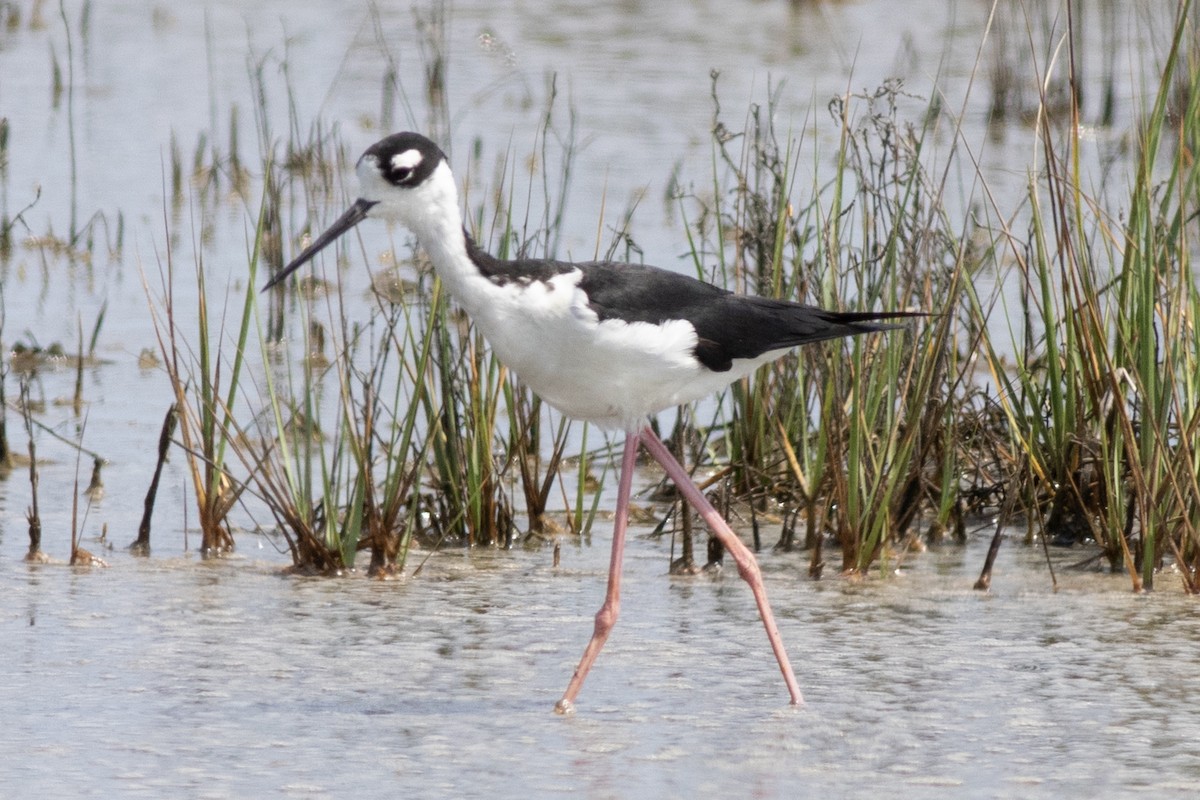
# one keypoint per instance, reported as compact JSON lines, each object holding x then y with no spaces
{"x":746,"y":563}
{"x":606,"y":617}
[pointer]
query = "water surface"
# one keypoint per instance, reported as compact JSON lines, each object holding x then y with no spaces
{"x":170,"y":676}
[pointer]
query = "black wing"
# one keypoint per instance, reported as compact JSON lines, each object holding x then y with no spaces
{"x":728,"y":325}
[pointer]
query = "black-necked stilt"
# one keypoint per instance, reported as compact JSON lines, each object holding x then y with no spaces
{"x":604,"y":342}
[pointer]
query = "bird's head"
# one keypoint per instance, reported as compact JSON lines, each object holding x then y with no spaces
{"x":403,"y":178}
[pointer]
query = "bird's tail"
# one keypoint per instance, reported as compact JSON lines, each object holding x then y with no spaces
{"x":866,"y":321}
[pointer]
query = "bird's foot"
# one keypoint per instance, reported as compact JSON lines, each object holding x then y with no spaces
{"x":684,"y":566}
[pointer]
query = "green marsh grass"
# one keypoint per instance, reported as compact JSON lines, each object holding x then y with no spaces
{"x":205,"y":372}
{"x":1100,"y":402}
{"x":1095,"y":436}
{"x":332,"y":494}
{"x":1053,"y":382}
{"x":839,"y":431}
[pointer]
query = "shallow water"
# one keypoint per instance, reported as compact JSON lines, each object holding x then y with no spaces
{"x":170,"y":676}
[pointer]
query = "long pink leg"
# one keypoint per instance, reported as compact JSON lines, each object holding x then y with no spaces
{"x":746,"y":563}
{"x":606,"y":617}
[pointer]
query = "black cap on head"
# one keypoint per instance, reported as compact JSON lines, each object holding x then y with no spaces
{"x":406,"y":159}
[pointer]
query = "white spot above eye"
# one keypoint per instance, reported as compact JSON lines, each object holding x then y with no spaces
{"x":406,"y":160}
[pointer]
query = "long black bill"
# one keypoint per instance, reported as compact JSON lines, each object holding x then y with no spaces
{"x":354,"y":215}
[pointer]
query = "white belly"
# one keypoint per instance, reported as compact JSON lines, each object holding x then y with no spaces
{"x":612,"y":373}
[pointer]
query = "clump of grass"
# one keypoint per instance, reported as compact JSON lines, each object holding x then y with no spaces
{"x":359,"y":488}
{"x":846,"y":431}
{"x":206,"y":382}
{"x":1087,"y":435}
{"x":1100,"y":406}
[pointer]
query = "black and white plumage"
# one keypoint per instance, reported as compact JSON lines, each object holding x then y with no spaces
{"x":605,"y":342}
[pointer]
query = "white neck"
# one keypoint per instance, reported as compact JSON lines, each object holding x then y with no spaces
{"x":431,"y":212}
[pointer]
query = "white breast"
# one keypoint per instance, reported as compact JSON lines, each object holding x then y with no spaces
{"x":613,"y":373}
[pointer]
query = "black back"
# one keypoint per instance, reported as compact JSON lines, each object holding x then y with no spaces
{"x":728,"y":325}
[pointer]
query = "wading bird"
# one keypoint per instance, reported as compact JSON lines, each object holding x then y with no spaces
{"x":605,"y":342}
